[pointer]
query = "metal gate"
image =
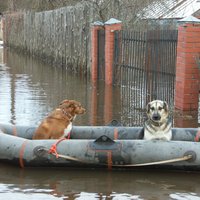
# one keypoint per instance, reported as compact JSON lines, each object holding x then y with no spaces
{"x":144,"y":67}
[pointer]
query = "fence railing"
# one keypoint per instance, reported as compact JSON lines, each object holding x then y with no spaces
{"x":144,"y":67}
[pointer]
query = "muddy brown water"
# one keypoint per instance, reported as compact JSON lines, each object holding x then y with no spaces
{"x":29,"y":90}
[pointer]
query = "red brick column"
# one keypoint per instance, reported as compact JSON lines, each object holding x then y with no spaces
{"x":110,"y":26}
{"x":187,"y":72}
{"x":94,"y":49}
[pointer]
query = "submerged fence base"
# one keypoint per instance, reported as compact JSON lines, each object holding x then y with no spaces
{"x":59,"y":36}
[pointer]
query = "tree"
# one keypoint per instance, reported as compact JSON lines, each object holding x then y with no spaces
{"x":3,"y":6}
{"x":126,"y":10}
{"x":38,"y":5}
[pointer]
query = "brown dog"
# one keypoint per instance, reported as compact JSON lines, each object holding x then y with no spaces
{"x":59,"y":123}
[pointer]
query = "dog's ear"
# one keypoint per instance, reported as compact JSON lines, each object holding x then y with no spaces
{"x":148,"y":107}
{"x":64,"y":102}
{"x":165,"y":106}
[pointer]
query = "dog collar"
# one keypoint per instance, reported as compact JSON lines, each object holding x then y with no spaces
{"x":68,"y":115}
{"x":155,"y":123}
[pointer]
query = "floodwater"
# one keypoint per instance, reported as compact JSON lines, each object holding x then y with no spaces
{"x":32,"y":89}
{"x":29,"y":90}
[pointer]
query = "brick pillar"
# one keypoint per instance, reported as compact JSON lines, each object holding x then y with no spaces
{"x":94,"y":49}
{"x":187,"y":72}
{"x":110,"y":26}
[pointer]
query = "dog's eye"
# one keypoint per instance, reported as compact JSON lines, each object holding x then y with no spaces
{"x":152,"y":108}
{"x":159,"y":108}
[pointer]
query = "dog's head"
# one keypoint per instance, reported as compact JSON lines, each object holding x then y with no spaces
{"x":72,"y":107}
{"x":158,"y":111}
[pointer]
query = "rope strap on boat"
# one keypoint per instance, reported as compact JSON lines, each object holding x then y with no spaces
{"x":197,"y":137}
{"x":184,"y":158}
{"x":53,"y":149}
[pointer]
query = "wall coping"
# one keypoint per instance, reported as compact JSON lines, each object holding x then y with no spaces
{"x":189,"y":19}
{"x":98,"y":23}
{"x":113,"y":21}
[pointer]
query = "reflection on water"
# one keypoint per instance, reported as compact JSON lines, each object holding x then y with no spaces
{"x":12,"y":192}
{"x":72,"y":184}
{"x":28,"y":91}
{"x":32,"y":89}
{"x":184,"y":196}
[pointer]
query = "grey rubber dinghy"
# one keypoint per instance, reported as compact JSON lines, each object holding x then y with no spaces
{"x":108,"y":147}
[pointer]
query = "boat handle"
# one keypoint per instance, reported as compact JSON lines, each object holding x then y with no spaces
{"x":186,"y":157}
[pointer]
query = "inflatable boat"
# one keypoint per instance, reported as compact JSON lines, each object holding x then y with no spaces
{"x":112,"y":146}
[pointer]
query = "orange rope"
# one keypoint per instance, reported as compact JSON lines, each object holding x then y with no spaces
{"x":14,"y":130}
{"x":197,"y":137}
{"x":116,"y":134}
{"x":53,"y":149}
{"x":21,"y":154}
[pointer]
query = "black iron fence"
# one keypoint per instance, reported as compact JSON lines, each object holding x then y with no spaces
{"x":144,"y":67}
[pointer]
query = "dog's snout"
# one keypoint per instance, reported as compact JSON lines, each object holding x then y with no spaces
{"x":81,"y":110}
{"x":156,"y":117}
